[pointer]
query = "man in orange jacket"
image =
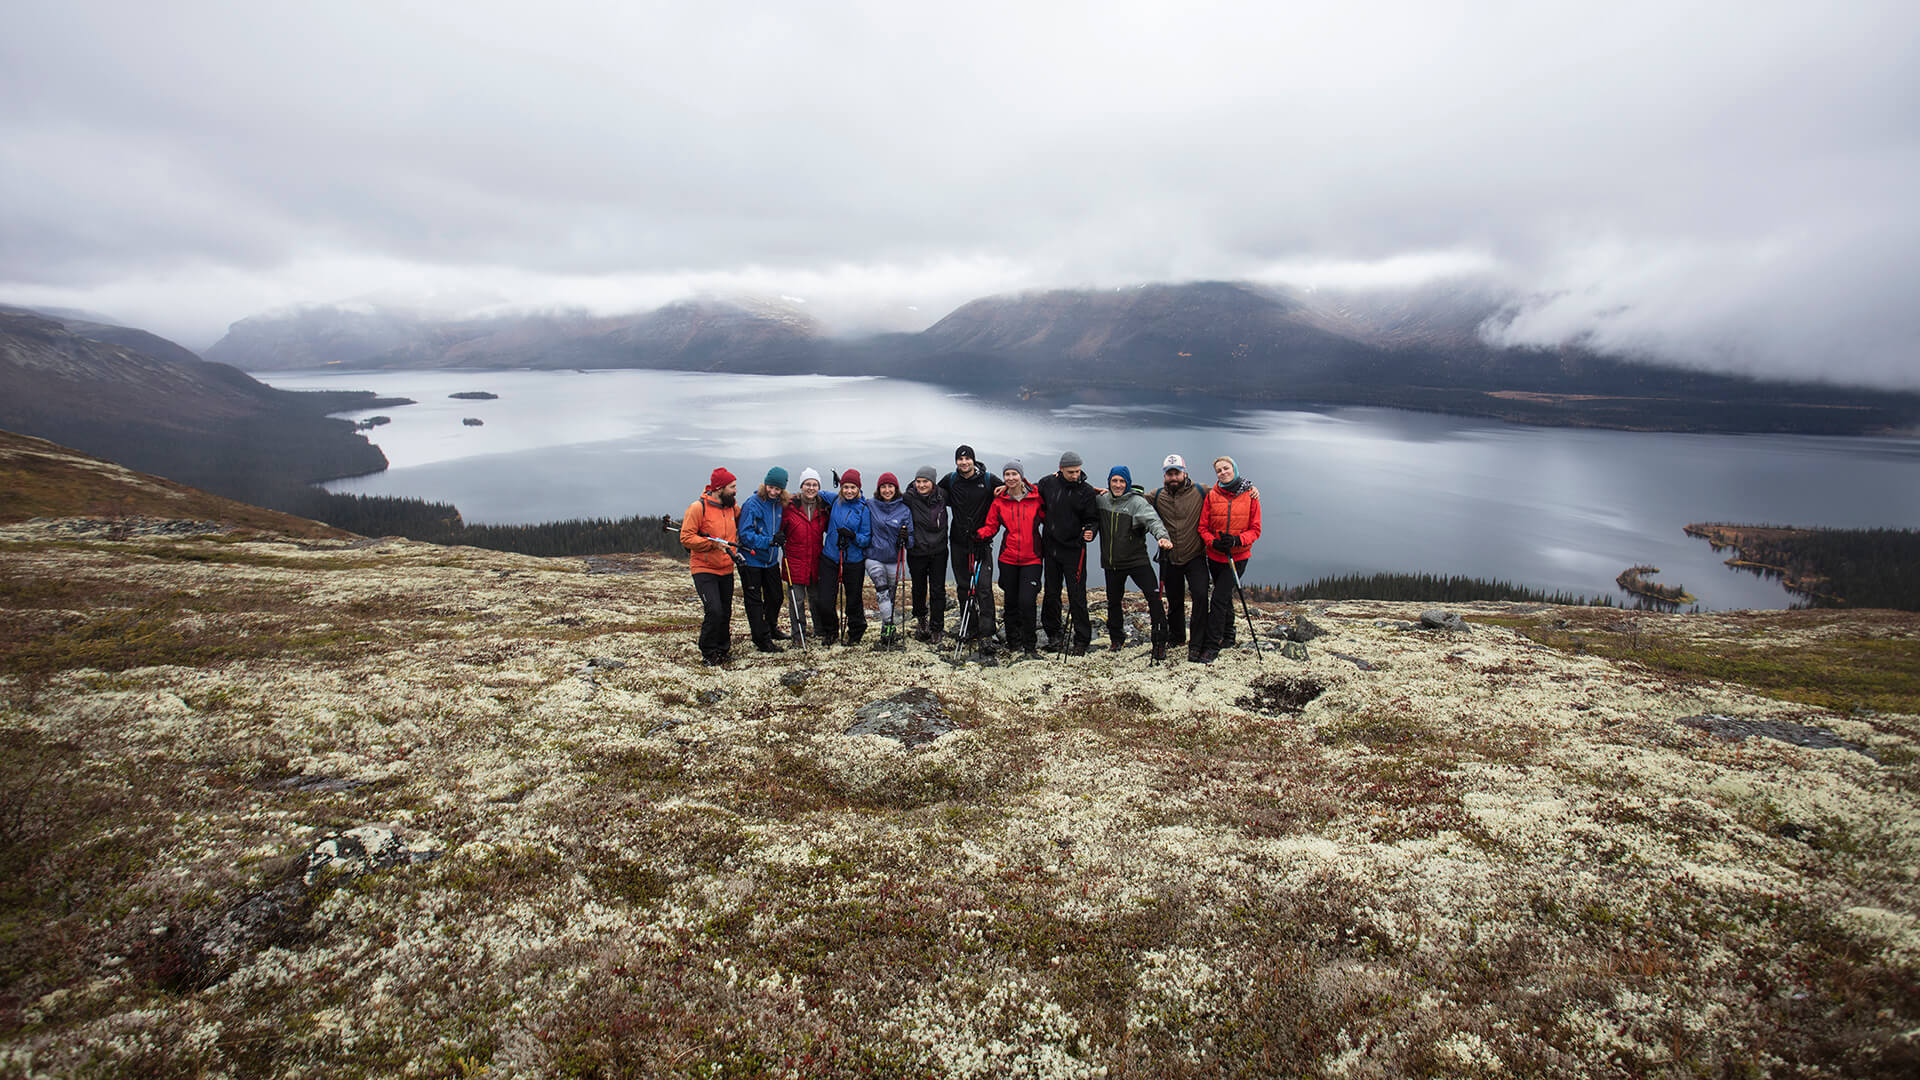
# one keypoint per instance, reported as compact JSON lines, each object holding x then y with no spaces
{"x":710,"y":532}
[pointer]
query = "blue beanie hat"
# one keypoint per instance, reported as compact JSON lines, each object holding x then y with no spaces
{"x":1121,"y":472}
{"x":777,"y":477}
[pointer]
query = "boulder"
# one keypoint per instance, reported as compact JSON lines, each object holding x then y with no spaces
{"x":912,"y":716}
{"x":1436,"y":619}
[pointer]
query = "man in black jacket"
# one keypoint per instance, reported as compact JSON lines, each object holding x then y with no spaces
{"x":970,"y":490}
{"x":1071,"y":521}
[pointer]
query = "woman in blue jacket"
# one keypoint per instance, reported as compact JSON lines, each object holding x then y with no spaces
{"x":843,"y":556}
{"x":892,"y":535}
{"x":760,"y":518}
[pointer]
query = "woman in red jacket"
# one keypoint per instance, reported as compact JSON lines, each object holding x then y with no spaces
{"x":1229,"y":524}
{"x":1018,"y":509}
{"x":801,"y":531}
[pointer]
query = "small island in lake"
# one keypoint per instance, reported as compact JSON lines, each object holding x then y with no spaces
{"x":471,"y":421}
{"x":1634,"y":580}
{"x":475,"y":395}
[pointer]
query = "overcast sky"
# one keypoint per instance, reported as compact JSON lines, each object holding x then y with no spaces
{"x":1732,"y":184}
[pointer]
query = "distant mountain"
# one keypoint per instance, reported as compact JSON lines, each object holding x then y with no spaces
{"x":1413,"y":348}
{"x":174,"y":415}
{"x":689,"y":334}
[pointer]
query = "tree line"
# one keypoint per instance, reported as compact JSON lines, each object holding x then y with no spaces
{"x":1452,"y":589}
{"x":1868,"y":568}
{"x":440,"y":523}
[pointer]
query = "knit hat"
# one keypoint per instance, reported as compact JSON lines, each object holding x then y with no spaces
{"x":885,"y":479}
{"x":1121,"y":472}
{"x":851,"y":476}
{"x":1070,"y":460}
{"x":1174,"y":461}
{"x":720,"y":478}
{"x":809,"y":474}
{"x":776,"y":478}
{"x":1013,"y":465}
{"x":926,"y":472}
{"x":964,"y":451}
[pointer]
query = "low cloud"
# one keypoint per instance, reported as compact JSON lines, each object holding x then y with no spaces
{"x":1720,"y":184}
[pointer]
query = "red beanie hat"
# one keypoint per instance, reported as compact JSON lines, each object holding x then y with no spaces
{"x":851,"y":476}
{"x":885,"y":479}
{"x":720,"y":478}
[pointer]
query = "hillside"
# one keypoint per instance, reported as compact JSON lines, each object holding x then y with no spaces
{"x":167,"y":412}
{"x":285,"y":806}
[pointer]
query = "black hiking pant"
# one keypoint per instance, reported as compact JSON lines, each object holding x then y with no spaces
{"x":761,"y":595}
{"x":1070,"y":567}
{"x":852,"y":576}
{"x":965,"y":558}
{"x":1020,"y":587}
{"x":929,"y":574}
{"x":1182,"y":578}
{"x":1220,"y":632}
{"x":1142,"y":576}
{"x":716,"y":615}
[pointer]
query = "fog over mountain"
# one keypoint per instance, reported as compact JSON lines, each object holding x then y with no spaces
{"x":1720,"y":185}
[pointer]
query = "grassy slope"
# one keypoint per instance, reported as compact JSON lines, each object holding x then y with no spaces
{"x":43,"y":479}
{"x":1481,"y":856}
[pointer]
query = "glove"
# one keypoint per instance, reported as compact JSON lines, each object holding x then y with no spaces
{"x":1225,"y":542}
{"x":846,"y":537}
{"x":903,"y":536}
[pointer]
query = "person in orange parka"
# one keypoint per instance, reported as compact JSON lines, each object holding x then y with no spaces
{"x":1229,"y":524}
{"x":714,"y":514}
{"x":1019,"y":510}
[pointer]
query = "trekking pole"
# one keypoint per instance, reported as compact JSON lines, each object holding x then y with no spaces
{"x":793,"y":603}
{"x":1242,"y":594}
{"x":900,"y":622}
{"x":1166,"y":619}
{"x":966,"y":609}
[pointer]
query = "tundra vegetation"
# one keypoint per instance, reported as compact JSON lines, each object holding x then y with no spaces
{"x":1496,"y":852}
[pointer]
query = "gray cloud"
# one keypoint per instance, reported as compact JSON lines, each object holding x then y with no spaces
{"x":1727,"y":184}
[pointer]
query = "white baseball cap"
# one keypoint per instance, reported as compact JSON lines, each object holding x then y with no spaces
{"x":1174,"y":461}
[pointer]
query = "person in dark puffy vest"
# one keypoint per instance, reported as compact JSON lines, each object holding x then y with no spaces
{"x":927,"y":555}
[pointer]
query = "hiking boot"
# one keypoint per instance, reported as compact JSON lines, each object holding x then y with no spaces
{"x":920,"y":628}
{"x":1032,"y":652}
{"x":1115,"y":645}
{"x":767,"y":646}
{"x":1177,"y":639}
{"x":1159,"y":650}
{"x":1078,"y":648}
{"x":1209,"y":656}
{"x":780,"y":635}
{"x":1195,"y":654}
{"x":933,"y":638}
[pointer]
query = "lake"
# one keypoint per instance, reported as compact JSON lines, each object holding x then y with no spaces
{"x":1343,"y":490}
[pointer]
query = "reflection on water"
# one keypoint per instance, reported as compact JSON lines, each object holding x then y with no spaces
{"x":1353,"y":490}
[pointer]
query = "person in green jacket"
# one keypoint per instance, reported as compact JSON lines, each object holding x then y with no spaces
{"x":1126,"y":520}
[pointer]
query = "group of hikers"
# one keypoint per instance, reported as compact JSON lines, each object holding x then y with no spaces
{"x":813,"y":550}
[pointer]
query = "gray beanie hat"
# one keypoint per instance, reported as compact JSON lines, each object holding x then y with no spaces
{"x":925,"y":472}
{"x":1014,"y":465}
{"x":1069,"y":460}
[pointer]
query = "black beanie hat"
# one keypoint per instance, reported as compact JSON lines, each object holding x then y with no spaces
{"x":964,"y":451}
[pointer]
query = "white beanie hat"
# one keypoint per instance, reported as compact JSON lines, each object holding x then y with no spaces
{"x":809,"y":474}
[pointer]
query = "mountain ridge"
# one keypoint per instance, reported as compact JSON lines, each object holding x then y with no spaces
{"x":1413,"y":348}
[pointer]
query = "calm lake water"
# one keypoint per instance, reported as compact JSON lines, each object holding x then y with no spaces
{"x":1342,"y":490}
